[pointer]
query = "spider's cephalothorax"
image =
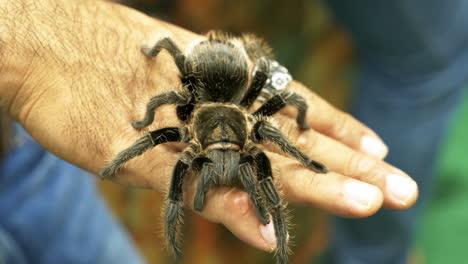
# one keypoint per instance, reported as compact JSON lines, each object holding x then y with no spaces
{"x":221,"y":134}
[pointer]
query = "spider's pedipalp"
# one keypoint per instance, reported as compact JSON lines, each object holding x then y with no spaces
{"x":265,"y":131}
{"x":204,"y":183}
{"x":174,"y":97}
{"x":248,"y":180}
{"x":279,"y":101}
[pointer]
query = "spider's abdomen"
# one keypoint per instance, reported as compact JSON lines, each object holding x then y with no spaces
{"x":222,"y":70}
{"x":220,"y":125}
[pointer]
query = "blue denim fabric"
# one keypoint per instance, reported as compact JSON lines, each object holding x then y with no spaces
{"x":51,"y":213}
{"x":413,"y":59}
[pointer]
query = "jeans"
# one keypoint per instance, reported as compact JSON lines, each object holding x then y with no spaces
{"x":413,"y":62}
{"x":51,"y":212}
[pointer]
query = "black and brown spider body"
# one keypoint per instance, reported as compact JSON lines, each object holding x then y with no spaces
{"x":221,"y":134}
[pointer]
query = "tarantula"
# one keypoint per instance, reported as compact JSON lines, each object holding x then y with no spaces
{"x":222,"y":136}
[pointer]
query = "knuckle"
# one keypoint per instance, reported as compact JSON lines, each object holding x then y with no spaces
{"x":312,"y":181}
{"x":308,"y":140}
{"x":237,"y":204}
{"x":339,"y":128}
{"x":359,"y":165}
{"x":308,"y":186}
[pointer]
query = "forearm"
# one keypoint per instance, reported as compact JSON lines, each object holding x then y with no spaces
{"x":40,"y":39}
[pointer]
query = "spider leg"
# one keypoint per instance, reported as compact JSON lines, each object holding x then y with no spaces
{"x":255,"y":47}
{"x":144,"y":143}
{"x":247,"y":178}
{"x":174,"y":213}
{"x":279,"y":101}
{"x":259,"y":80}
{"x":276,"y":205}
{"x":263,"y":130}
{"x":206,"y":176}
{"x":169,"y":45}
{"x":183,"y":110}
{"x":174,"y":97}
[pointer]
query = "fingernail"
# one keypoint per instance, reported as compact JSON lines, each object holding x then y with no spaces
{"x":401,"y":188}
{"x":373,"y":146}
{"x":268,"y":234}
{"x":361,"y":193}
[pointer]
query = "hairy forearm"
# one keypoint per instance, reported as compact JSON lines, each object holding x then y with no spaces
{"x":41,"y":40}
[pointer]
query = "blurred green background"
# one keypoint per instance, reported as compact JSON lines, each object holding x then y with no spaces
{"x":443,"y":234}
{"x":306,"y":39}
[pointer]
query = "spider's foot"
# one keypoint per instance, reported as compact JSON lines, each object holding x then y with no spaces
{"x":138,"y":124}
{"x":303,"y":125}
{"x":282,"y":256}
{"x":263,"y":215}
{"x":106,"y":173}
{"x":199,"y":203}
{"x":318,"y":167}
{"x":174,"y":218}
{"x":146,"y":50}
{"x":282,"y":237}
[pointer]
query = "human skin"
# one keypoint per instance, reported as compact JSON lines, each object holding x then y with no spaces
{"x":71,"y":72}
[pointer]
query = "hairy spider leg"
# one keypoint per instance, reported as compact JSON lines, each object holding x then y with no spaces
{"x":255,"y":47}
{"x":183,"y":110}
{"x":259,"y":80}
{"x":169,"y":45}
{"x":275,"y":204}
{"x":206,"y":178}
{"x":263,"y":130}
{"x":150,"y":140}
{"x":175,"y":97}
{"x":174,"y":213}
{"x":250,"y":185}
{"x":279,"y":101}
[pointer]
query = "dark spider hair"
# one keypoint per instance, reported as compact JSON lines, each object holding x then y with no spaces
{"x":221,"y":134}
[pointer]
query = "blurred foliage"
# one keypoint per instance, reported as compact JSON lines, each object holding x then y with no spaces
{"x":307,"y":41}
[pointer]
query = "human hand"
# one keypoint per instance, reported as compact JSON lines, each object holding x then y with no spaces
{"x":77,"y":88}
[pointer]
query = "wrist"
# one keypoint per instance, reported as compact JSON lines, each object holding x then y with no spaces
{"x":21,"y":42}
{"x":10,"y":72}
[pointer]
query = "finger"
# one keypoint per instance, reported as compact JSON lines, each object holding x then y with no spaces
{"x":341,"y":126}
{"x":333,"y":192}
{"x":400,"y":191}
{"x":233,"y":208}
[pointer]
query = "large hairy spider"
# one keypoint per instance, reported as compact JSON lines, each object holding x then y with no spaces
{"x":222,"y":136}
